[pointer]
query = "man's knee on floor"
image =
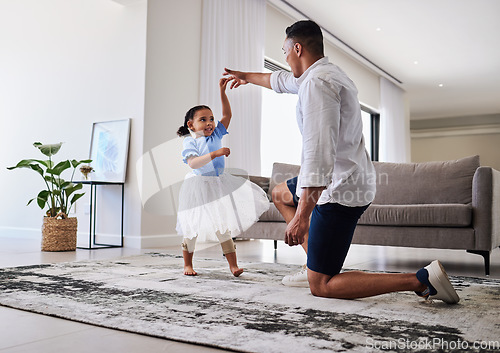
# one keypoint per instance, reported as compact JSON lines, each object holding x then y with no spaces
{"x":317,"y":288}
{"x":321,"y":287}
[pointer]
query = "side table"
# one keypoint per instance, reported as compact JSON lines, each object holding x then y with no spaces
{"x":93,"y":214}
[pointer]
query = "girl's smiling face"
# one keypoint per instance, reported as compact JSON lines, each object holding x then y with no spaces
{"x":203,"y":123}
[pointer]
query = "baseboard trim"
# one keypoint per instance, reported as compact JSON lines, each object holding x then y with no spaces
{"x":20,"y":233}
{"x":136,"y":242}
{"x":161,"y":240}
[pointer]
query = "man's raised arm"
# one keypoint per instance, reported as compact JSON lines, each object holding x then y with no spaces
{"x":239,"y":78}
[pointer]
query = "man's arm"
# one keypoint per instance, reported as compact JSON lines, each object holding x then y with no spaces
{"x":242,"y":78}
{"x":299,"y":225}
{"x":226,"y":107}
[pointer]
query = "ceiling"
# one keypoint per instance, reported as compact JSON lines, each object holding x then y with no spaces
{"x":446,"y":53}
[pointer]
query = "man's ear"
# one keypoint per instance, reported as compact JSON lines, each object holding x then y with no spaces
{"x":297,"y":47}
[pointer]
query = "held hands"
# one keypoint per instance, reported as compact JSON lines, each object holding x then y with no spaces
{"x":238,"y":78}
{"x":224,"y":151}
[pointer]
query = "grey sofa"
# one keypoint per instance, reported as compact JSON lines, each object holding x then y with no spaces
{"x":444,"y":205}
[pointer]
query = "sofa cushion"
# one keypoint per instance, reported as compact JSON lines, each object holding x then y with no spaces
{"x":432,"y":215}
{"x":282,"y":172}
{"x":425,"y":183}
{"x":271,"y":215}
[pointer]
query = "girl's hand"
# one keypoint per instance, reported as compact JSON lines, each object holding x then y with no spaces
{"x":238,"y":78}
{"x":224,"y":151}
{"x":223,"y":83}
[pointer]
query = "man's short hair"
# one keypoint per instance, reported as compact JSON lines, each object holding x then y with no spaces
{"x":307,"y":33}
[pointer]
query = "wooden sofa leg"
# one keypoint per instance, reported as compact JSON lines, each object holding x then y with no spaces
{"x":486,"y":255}
{"x":275,"y":245}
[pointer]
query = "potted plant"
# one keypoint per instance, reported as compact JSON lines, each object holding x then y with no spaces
{"x":58,"y":230}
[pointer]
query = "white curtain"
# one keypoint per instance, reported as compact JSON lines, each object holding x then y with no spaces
{"x":233,"y":36}
{"x":395,"y":144}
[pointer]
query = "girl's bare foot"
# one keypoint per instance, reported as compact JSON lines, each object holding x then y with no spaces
{"x":188,"y":263}
{"x":188,"y":271}
{"x":236,"y":271}
{"x":233,"y":264}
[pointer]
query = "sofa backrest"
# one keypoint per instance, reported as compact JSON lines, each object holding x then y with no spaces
{"x":409,"y":183}
{"x":425,"y":183}
{"x":281,"y":172}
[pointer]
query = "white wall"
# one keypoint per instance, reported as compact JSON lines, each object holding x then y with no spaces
{"x":172,"y":81}
{"x":444,"y":147}
{"x":64,"y":65}
{"x":450,"y":138}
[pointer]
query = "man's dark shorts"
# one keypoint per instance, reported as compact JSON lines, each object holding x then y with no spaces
{"x":330,"y":233}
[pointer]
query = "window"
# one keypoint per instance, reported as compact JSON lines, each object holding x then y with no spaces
{"x":371,"y":131}
{"x":281,"y":140}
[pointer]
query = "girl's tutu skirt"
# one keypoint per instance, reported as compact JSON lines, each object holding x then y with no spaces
{"x":223,"y":203}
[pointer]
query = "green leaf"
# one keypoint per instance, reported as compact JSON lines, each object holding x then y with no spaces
{"x":76,"y":197}
{"x":42,"y":198}
{"x":48,"y":150}
{"x":50,"y":179}
{"x":25,"y":163}
{"x":59,"y":168}
{"x":37,"y":168}
{"x":76,"y":163}
{"x":71,"y":189}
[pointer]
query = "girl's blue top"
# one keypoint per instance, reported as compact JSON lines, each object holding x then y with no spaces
{"x":203,"y":145}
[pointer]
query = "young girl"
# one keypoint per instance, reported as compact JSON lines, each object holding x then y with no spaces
{"x":213,"y":205}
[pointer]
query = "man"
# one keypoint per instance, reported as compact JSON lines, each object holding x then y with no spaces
{"x":336,"y":182}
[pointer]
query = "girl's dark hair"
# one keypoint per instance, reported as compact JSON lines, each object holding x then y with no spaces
{"x":184,"y":130}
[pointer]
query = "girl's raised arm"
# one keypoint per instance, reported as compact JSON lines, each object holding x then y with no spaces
{"x":226,"y":107}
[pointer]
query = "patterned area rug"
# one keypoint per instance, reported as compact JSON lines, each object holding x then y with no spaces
{"x":148,"y":294}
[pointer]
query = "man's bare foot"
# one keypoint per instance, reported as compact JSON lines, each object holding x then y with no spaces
{"x":188,"y":271}
{"x":236,"y":271}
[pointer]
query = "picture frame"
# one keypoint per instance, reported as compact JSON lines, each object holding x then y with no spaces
{"x":109,"y":150}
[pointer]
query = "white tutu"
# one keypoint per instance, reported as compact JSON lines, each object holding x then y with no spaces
{"x":226,"y":203}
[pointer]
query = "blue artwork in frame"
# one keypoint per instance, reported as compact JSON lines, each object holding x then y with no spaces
{"x":109,"y":150}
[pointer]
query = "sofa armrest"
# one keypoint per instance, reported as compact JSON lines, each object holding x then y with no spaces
{"x":486,"y":208}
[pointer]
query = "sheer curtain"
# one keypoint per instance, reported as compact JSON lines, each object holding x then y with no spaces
{"x":394,"y":124}
{"x":233,"y":36}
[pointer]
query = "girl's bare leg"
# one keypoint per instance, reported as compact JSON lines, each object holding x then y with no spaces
{"x":229,"y":251}
{"x":188,"y":263}
{"x":187,"y":254}
{"x":233,"y":264}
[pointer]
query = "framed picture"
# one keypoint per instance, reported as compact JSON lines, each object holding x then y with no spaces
{"x":109,"y":150}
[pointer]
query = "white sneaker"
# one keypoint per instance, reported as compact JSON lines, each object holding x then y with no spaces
{"x":298,"y":279}
{"x":438,"y":284}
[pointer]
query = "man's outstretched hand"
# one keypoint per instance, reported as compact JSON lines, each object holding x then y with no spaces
{"x":237,"y":78}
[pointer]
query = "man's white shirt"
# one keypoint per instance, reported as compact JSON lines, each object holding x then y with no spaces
{"x":333,"y":149}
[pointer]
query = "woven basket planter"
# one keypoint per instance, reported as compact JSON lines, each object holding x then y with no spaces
{"x":59,"y":234}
